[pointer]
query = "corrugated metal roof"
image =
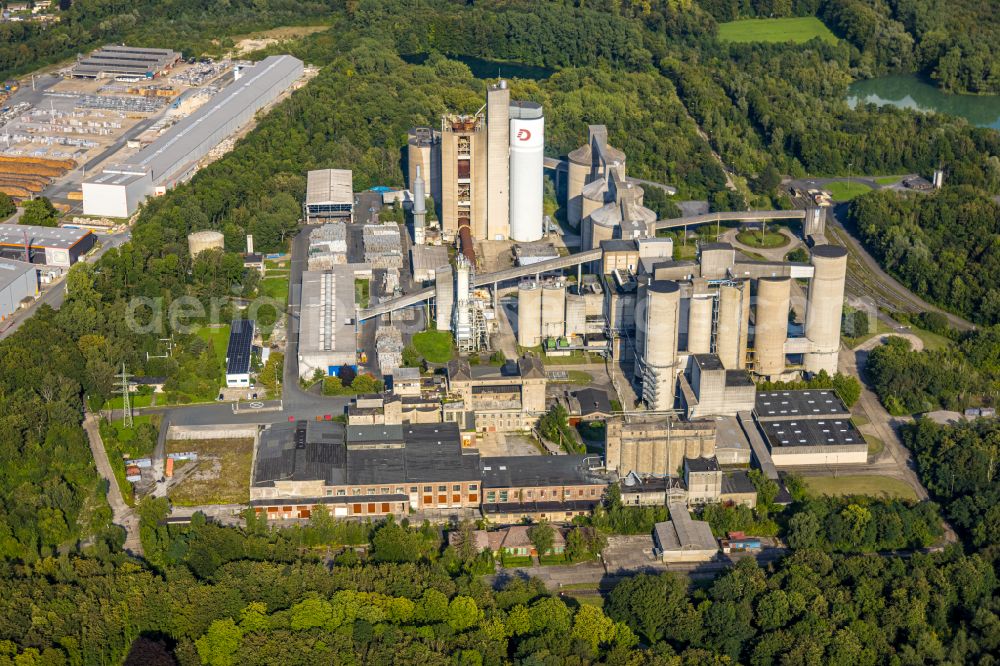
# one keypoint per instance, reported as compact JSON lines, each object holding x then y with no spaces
{"x":167,"y":154}
{"x":330,"y":186}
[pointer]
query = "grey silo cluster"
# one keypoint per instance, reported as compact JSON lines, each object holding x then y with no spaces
{"x":711,"y":314}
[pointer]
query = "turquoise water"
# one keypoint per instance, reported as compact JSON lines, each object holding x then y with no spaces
{"x":914,"y":92}
{"x":487,"y":69}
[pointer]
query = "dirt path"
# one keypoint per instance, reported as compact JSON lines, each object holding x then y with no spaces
{"x":122,"y":514}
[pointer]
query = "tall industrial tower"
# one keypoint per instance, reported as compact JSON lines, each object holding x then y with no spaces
{"x":419,"y":209}
{"x":498,"y":161}
{"x":527,"y":155}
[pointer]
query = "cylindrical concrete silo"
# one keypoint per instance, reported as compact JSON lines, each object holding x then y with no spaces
{"x":527,"y":148}
{"x":553,"y":310}
{"x":576,"y":313}
{"x":699,"y":339}
{"x":599,"y":229}
{"x":200,"y":241}
{"x":692,"y":449}
{"x":826,"y":302}
{"x":579,"y":170}
{"x":443,"y":297}
{"x":733,"y":322}
{"x":589,"y":205}
{"x":771,"y":324}
{"x":529,"y":314}
{"x":663,"y":301}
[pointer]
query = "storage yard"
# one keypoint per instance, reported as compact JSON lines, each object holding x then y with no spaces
{"x":58,"y":129}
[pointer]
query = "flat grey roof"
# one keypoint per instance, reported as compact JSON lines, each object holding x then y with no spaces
{"x":428,"y":257}
{"x":327,"y":304}
{"x":11,"y":271}
{"x":115,"y":178}
{"x":55,"y":237}
{"x":811,"y":403}
{"x":517,"y":471}
{"x":737,"y":481}
{"x":165,"y":156}
{"x":807,"y":432}
{"x":330,"y":186}
{"x":702,"y":464}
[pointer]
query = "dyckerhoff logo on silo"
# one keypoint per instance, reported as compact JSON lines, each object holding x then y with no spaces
{"x":523,"y":135}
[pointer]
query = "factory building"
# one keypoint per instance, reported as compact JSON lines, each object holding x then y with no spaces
{"x":535,"y":488}
{"x":326,"y":324}
{"x":60,"y":247}
{"x":174,"y":156}
{"x":238,"y":353}
{"x":329,"y":196}
{"x":121,"y":60}
{"x":358,"y":470}
{"x":656,"y":446}
{"x":504,"y":399}
{"x":484,"y":169}
{"x":808,"y":427}
{"x":18,"y":285}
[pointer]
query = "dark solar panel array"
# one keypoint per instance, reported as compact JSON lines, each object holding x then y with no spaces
{"x":240,"y":343}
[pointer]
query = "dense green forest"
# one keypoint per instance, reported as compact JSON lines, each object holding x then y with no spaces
{"x":942,"y":246}
{"x":208,"y":594}
{"x":194,"y":27}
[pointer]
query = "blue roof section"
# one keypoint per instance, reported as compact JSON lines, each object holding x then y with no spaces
{"x":240,"y":345}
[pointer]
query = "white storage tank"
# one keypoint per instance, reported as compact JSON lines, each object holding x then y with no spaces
{"x":527,"y":153}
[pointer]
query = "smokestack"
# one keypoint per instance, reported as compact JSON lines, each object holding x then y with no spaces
{"x":419,"y":198}
{"x":249,"y":244}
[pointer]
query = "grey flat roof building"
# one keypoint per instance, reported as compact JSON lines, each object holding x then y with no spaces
{"x":55,"y":237}
{"x":18,"y":281}
{"x":805,"y":404}
{"x":175,"y":154}
{"x":808,"y":432}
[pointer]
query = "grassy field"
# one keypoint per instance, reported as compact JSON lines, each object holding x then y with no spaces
{"x":846,"y":190}
{"x":798,"y":30}
{"x":875,"y":486}
{"x":435,"y":346}
{"x":276,"y":288}
{"x":137,"y":401}
{"x":217,"y":337}
{"x":875,"y":445}
{"x":361,"y":292}
{"x":575,"y":377}
{"x":932,"y":341}
{"x":887,"y":180}
{"x":769,"y":240}
{"x":222,"y":475}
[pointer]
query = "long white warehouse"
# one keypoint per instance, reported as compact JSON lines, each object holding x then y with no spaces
{"x":120,"y":188}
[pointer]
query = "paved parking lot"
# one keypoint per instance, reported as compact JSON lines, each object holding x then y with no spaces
{"x":507,"y":444}
{"x":631,"y":552}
